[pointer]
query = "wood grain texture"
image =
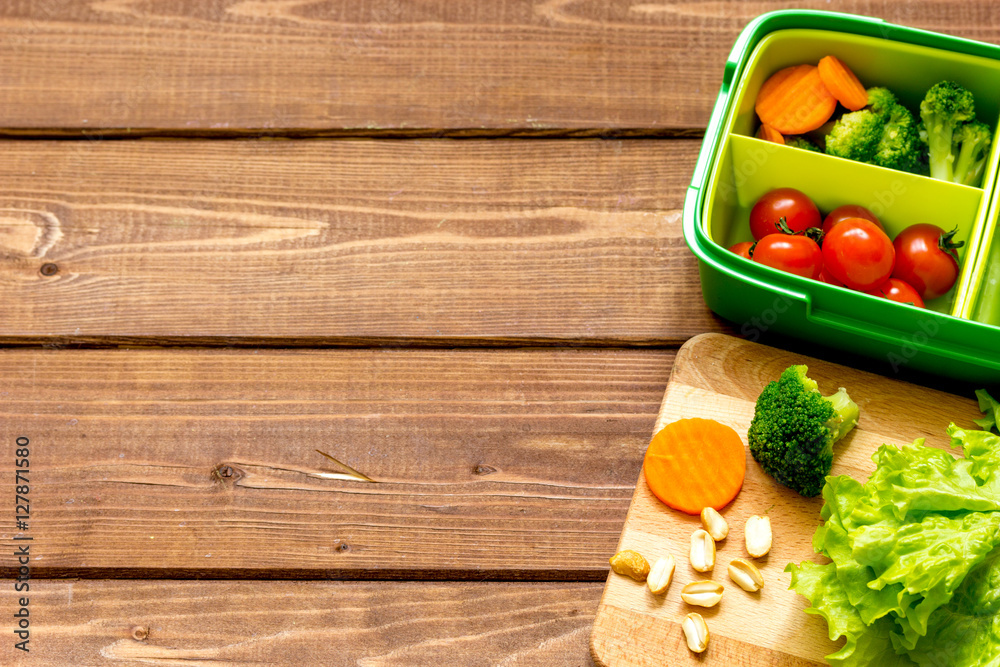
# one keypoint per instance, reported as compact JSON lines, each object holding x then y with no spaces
{"x":489,"y":464}
{"x":347,"y":242}
{"x":533,"y":65}
{"x":720,"y":377}
{"x":306,"y":623}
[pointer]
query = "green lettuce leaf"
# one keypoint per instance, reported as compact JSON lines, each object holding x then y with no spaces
{"x":866,"y":644}
{"x":966,"y":631}
{"x":915,"y":562}
{"x":990,"y":410}
{"x":927,"y":559}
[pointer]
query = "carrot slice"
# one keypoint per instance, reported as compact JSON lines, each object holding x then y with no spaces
{"x":842,"y":83}
{"x":795,"y":100}
{"x":695,"y":463}
{"x":768,"y":133}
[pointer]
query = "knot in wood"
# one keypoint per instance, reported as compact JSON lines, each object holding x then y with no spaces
{"x":140,"y":632}
{"x":228,"y":473}
{"x":49,"y":269}
{"x":482,"y":469}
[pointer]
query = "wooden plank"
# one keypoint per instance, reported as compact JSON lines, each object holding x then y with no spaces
{"x":181,"y":463}
{"x":347,"y":242}
{"x":528,"y":65}
{"x":384,"y":64}
{"x":720,"y":377}
{"x":308,"y":623}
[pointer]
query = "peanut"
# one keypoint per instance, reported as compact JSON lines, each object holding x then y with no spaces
{"x":758,"y":535}
{"x":702,"y":593}
{"x":702,"y":554}
{"x":695,"y":632}
{"x":630,"y":563}
{"x":714,"y":523}
{"x":660,"y":575}
{"x":746,"y":575}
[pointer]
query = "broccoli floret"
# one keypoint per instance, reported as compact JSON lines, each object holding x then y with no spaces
{"x":881,"y":100}
{"x":901,"y":146}
{"x":884,"y":133}
{"x":856,"y":136}
{"x":803,"y":143}
{"x":794,"y":428}
{"x":971,"y":144}
{"x":945,"y":107}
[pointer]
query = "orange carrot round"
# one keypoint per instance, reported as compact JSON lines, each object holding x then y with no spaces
{"x":842,"y":83}
{"x":795,"y":100}
{"x":768,"y":133}
{"x":695,"y":463}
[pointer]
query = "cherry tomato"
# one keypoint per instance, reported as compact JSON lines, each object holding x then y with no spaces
{"x":895,"y":289}
{"x":859,"y":254}
{"x":742,"y":249}
{"x":848,"y":211}
{"x":792,"y":253}
{"x":824,"y":276}
{"x":926,"y":259}
{"x":798,"y":211}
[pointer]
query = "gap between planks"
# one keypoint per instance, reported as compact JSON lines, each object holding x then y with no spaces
{"x":381,"y":343}
{"x":457,"y":575}
{"x":525,"y":133}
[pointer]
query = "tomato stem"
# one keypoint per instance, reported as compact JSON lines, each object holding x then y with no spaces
{"x":947,"y":243}
{"x":814,"y":233}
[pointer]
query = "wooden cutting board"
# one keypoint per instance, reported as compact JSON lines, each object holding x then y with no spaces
{"x":720,"y":377}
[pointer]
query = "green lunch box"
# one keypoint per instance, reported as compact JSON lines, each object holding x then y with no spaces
{"x":956,"y":335}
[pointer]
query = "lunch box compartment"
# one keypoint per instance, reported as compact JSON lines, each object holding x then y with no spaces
{"x":957,"y":335}
{"x":907,"y":70}
{"x":984,"y":302}
{"x":750,"y":167}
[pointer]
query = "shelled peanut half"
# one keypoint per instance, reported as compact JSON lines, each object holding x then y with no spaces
{"x":702,"y":554}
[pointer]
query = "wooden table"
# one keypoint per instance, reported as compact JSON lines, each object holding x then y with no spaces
{"x":439,"y":241}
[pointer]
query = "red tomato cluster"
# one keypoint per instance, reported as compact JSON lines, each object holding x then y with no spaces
{"x":850,"y":248}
